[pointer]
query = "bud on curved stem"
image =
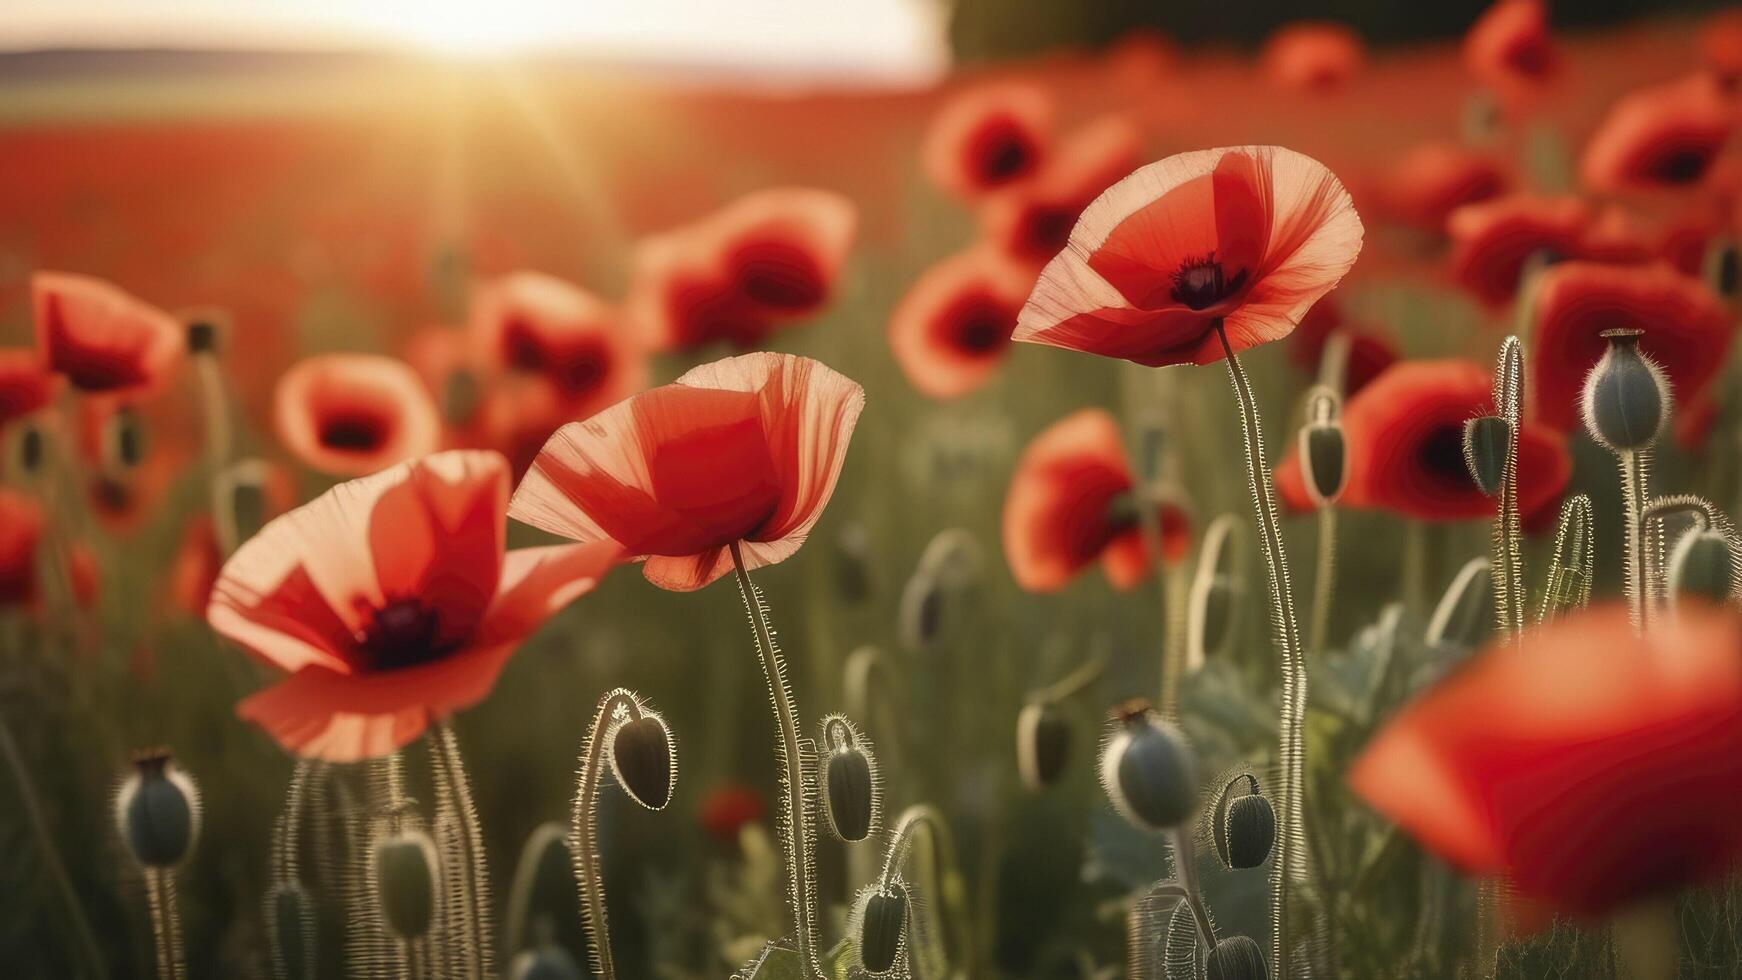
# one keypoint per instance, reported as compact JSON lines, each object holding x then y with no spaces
{"x":1325,"y":469}
{"x":1243,"y":824}
{"x":1214,"y":591}
{"x":1464,"y":618}
{"x":1043,"y":731}
{"x":1574,"y":563}
{"x":938,"y":907}
{"x":851,"y":802}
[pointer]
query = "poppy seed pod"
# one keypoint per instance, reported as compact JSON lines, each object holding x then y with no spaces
{"x":1626,"y":398}
{"x":1702,"y":566}
{"x":240,"y":501}
{"x":850,"y":801}
{"x":1043,"y":742}
{"x":1723,"y":267}
{"x":882,"y":932}
{"x":123,"y":446}
{"x":1465,"y":615}
{"x":1237,"y":958}
{"x":1487,"y":447}
{"x":544,"y":963}
{"x":290,"y":923}
{"x":644,"y":760}
{"x":1325,"y":455}
{"x":158,"y":811}
{"x":202,"y":336}
{"x":1245,"y":824}
{"x":406,"y":873}
{"x":1147,"y":769}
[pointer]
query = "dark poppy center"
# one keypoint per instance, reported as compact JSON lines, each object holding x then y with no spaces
{"x":112,"y":495}
{"x":521,"y":347}
{"x":1004,"y":154}
{"x":1441,"y":456}
{"x":781,"y":276}
{"x":353,"y":432}
{"x":982,"y":327}
{"x":582,"y":370}
{"x":1201,"y":283}
{"x":403,"y":633}
{"x":1048,"y":230}
{"x":1681,"y":165}
{"x":1531,"y":57}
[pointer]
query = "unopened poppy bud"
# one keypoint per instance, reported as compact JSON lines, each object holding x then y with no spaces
{"x":239,"y":501}
{"x":1465,"y":615}
{"x":1147,"y":769}
{"x":882,"y":931}
{"x":1245,"y":824}
{"x":290,"y":923}
{"x":921,"y":617}
{"x":202,"y":336}
{"x":849,"y":781}
{"x":157,"y":810}
{"x":644,"y":760}
{"x":544,"y":963}
{"x":1487,"y":447}
{"x":29,"y":448}
{"x":1326,"y":469}
{"x":406,"y":873}
{"x":1043,"y":742}
{"x":1626,"y":398}
{"x":1237,"y":958}
{"x":1703,"y":566}
{"x":123,"y":445}
{"x":1724,"y":267}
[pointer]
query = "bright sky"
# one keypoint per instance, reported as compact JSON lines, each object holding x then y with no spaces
{"x":885,"y":38}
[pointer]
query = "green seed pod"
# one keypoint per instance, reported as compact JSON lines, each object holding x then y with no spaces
{"x":1237,"y":958}
{"x":1487,"y":448}
{"x":1147,"y":769}
{"x":1325,"y":463}
{"x":850,"y":798}
{"x":157,"y":810}
{"x":544,"y":963}
{"x":1043,"y":744}
{"x":644,"y":760}
{"x":1703,"y":566}
{"x":240,"y":501}
{"x":406,"y":874}
{"x":1244,"y":828}
{"x":290,"y":925}
{"x":882,"y":931}
{"x":1464,"y":618}
{"x":1626,"y":399}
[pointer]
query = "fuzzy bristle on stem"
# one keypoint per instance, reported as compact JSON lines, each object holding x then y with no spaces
{"x":583,"y":828}
{"x":462,"y":849}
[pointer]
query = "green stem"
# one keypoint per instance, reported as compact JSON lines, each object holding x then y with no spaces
{"x":474,"y":883}
{"x":165,"y":922}
{"x":1324,"y":579}
{"x":1634,"y":490}
{"x":584,"y":825}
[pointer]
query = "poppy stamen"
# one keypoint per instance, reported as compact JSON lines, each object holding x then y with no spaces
{"x":1200,"y":282}
{"x":402,"y":633}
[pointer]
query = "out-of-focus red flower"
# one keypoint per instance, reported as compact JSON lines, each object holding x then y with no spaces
{"x":1693,"y":422}
{"x":768,"y":259}
{"x":198,"y":558}
{"x":1510,"y":48}
{"x":1313,"y":56}
{"x":1432,"y":180}
{"x":1248,"y":236}
{"x":1687,"y":330}
{"x":1031,"y":221}
{"x":952,"y":329}
{"x":726,"y":809}
{"x":1072,"y":502}
{"x":988,"y":137}
{"x":1685,"y":239}
{"x":348,"y":414}
{"x":1721,"y":45}
{"x":134,"y":445}
{"x":743,"y":450}
{"x":98,"y":336}
{"x":1662,"y":136}
{"x":1370,"y":352}
{"x":1492,"y":241}
{"x":390,"y":603}
{"x":1405,"y":438}
{"x":1617,"y":238}
{"x":538,"y":325}
{"x":20,"y":531}
{"x":460,"y":384}
{"x":1587,"y":765}
{"x":26,"y":384}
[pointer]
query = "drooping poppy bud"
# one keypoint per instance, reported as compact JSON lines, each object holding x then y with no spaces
{"x":548,"y":962}
{"x":1626,"y":400}
{"x":1211,"y":604}
{"x":644,"y":760}
{"x":1245,"y":824}
{"x":1723,"y":267}
{"x":853,"y":574}
{"x":1464,"y":617}
{"x":850,"y":799}
{"x":158,"y":811}
{"x":1487,"y":447}
{"x":406,"y":877}
{"x":1147,"y":768}
{"x":1237,"y":958}
{"x":28,"y":450}
{"x":882,"y":931}
{"x":1703,"y":565}
{"x":1323,"y":450}
{"x":1043,"y":743}
{"x":290,"y":931}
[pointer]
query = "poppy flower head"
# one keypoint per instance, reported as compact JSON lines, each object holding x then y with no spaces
{"x":1032,"y":221}
{"x":390,"y":603}
{"x":1721,"y":46}
{"x":1662,"y":136}
{"x":1510,"y":48}
{"x":1492,"y":241}
{"x":21,"y":523}
{"x":952,"y":329}
{"x":1370,"y":352}
{"x":1432,"y":180}
{"x":726,"y":809}
{"x":349,"y":414}
{"x":743,"y":450}
{"x":98,"y":336}
{"x":1247,"y":237}
{"x":541,"y":326}
{"x":26,"y":384}
{"x":1313,"y":56}
{"x":1073,"y":502}
{"x":988,"y":137}
{"x":1558,"y":762}
{"x":1686,"y":330}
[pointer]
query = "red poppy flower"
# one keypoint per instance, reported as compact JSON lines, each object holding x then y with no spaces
{"x":1250,"y":236}
{"x":988,"y":137}
{"x":390,"y":603}
{"x":1616,"y":238}
{"x":1072,"y":503}
{"x":443,"y":358}
{"x":1032,"y":221}
{"x":540,"y":326}
{"x":726,"y":809}
{"x":98,"y":336}
{"x":1492,"y":241}
{"x":1663,"y":136}
{"x":952,"y":329}
{"x":1405,"y":438}
{"x":746,"y":449}
{"x":198,"y":559}
{"x":1370,"y":352}
{"x":1587,"y":765}
{"x":20,"y":531}
{"x":1721,"y":45}
{"x":1510,"y":48}
{"x":1687,"y":330}
{"x":1432,"y":180}
{"x":26,"y":384}
{"x":1312,"y":57}
{"x":348,"y":414}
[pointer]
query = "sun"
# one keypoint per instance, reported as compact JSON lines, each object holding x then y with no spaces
{"x":466,"y":28}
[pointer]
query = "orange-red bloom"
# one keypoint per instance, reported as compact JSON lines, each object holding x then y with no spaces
{"x":1432,"y":180}
{"x":1687,"y":330}
{"x":1587,"y":765}
{"x":952,"y":329}
{"x":1510,"y":48}
{"x":1072,"y":503}
{"x":390,"y":603}
{"x":1313,"y":57}
{"x":20,"y":530}
{"x":726,"y":809}
{"x":540,"y":326}
{"x":746,"y":449}
{"x":1405,"y":438}
{"x":1370,"y":352}
{"x":98,"y":336}
{"x":1247,"y":236}
{"x":349,"y":414}
{"x":1663,"y":136}
{"x":1721,"y":45}
{"x":1031,"y":222}
{"x":26,"y":384}
{"x":988,"y":137}
{"x":1492,"y":241}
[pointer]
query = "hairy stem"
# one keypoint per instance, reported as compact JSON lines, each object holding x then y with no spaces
{"x":1634,"y":490}
{"x":1574,"y":563}
{"x":583,"y":825}
{"x":1508,"y":564}
{"x":471,"y":875}
{"x":215,"y":403}
{"x":1185,"y":867}
{"x":1324,"y":580}
{"x":165,"y":923}
{"x":925,"y":822}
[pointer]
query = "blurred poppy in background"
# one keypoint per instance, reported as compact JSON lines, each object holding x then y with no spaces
{"x":26,"y":384}
{"x":1431,"y":180}
{"x":133,"y":447}
{"x":952,"y":328}
{"x":1369,"y":351}
{"x":542,"y":327}
{"x":1313,"y":56}
{"x":1511,"y":50}
{"x":100,"y":337}
{"x":988,"y":137}
{"x":350,"y":414}
{"x":1492,"y":241}
{"x":1661,"y":137}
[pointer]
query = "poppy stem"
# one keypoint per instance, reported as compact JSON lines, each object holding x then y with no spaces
{"x":286,"y":832}
{"x":792,"y":751}
{"x":1290,"y":865}
{"x":1574,"y":562}
{"x":1634,"y":491}
{"x":1508,"y":563}
{"x":215,"y":403}
{"x":165,"y":922}
{"x":462,"y":848}
{"x":1185,"y":868}
{"x":923,"y":822}
{"x":1324,"y":579}
{"x":583,"y":826}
